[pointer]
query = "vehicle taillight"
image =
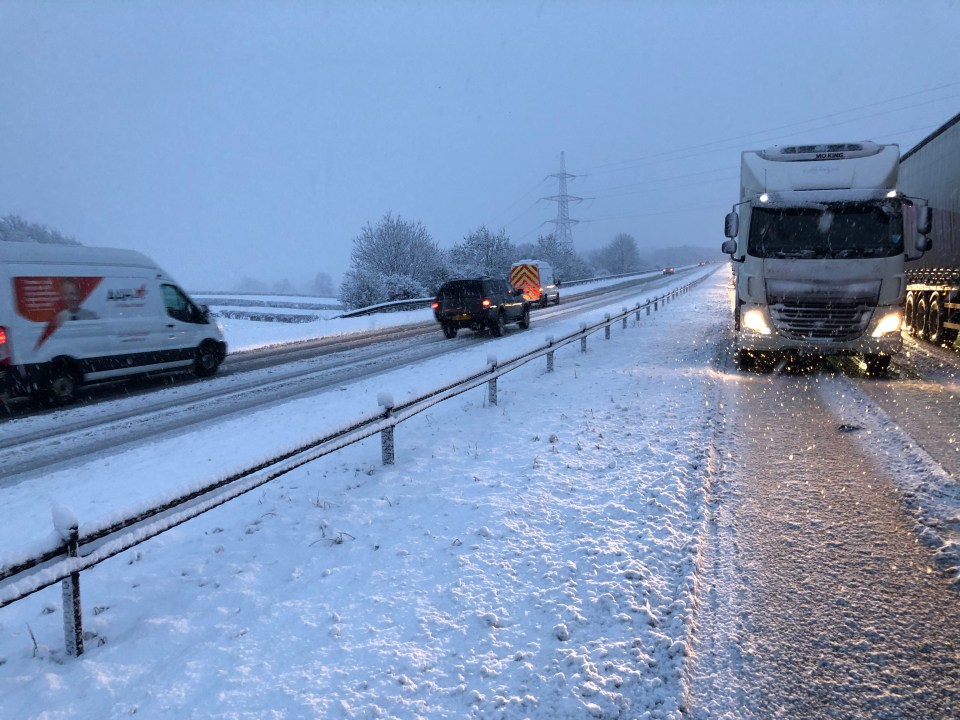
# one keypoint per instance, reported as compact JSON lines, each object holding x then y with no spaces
{"x":4,"y":350}
{"x":3,"y":335}
{"x":435,"y":305}
{"x":485,"y":302}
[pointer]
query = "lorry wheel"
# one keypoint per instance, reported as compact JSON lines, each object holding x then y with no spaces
{"x":876,"y":364}
{"x":937,"y":333}
{"x":525,"y":318}
{"x":207,"y":361}
{"x":449,"y":330}
{"x":60,"y":385}
{"x":909,"y":315}
{"x":499,"y":325}
{"x":920,"y":319}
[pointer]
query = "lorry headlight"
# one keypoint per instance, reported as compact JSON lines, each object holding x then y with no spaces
{"x":754,"y":320}
{"x":889,"y":323}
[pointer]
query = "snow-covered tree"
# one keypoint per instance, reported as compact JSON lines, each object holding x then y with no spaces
{"x":620,"y":255}
{"x":322,"y":285}
{"x":483,"y":253}
{"x":14,"y":228}
{"x":567,"y":264}
{"x":395,"y":247}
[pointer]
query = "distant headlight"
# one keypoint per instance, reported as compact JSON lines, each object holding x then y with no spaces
{"x":754,"y":320}
{"x":890,"y":323}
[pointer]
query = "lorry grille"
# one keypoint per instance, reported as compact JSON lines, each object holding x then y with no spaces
{"x":826,"y":321}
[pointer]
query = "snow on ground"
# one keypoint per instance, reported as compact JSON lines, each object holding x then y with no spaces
{"x":529,"y":559}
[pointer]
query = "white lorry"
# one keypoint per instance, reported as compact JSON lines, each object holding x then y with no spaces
{"x":72,"y":314}
{"x":818,"y":250}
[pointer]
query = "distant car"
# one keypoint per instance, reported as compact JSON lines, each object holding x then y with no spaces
{"x":481,"y":303}
{"x":701,"y":264}
{"x":668,"y":271}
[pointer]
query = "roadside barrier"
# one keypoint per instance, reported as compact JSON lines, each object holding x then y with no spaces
{"x":22,"y":576}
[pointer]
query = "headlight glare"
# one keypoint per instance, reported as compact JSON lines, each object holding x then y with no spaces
{"x":889,"y":323}
{"x":755,"y":321}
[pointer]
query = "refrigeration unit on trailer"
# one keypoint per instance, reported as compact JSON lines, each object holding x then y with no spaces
{"x":932,"y":170}
{"x":818,"y":247}
{"x":72,"y":314}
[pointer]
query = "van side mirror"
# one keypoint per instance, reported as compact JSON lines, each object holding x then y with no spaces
{"x":729,"y":247}
{"x":924,"y":219}
{"x":923,"y":243}
{"x":731,"y":225}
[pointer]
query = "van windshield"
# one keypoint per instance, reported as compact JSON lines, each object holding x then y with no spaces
{"x":832,"y":231}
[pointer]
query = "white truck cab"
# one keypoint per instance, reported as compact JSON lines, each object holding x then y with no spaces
{"x":817,"y":242}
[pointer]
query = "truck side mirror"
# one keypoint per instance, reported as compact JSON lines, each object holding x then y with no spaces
{"x":923,"y":243}
{"x":729,"y":247}
{"x":924,"y":219}
{"x":731,"y":225}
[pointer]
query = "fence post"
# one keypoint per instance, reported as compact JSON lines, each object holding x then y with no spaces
{"x":550,"y":355}
{"x":385,"y":401}
{"x":492,"y":383}
{"x":72,"y":615}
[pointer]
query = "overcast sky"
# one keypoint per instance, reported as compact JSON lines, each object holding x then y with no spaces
{"x":258,"y":138}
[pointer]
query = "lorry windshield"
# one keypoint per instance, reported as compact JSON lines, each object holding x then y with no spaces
{"x":836,"y":231}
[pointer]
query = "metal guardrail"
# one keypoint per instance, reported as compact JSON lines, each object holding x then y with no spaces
{"x":22,"y":576}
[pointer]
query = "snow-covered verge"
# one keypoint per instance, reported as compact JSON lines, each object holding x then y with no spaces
{"x":530,"y":559}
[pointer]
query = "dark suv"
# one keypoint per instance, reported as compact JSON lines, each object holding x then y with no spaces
{"x":482,"y":303}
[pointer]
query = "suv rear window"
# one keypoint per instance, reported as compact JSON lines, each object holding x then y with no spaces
{"x":461,"y":288}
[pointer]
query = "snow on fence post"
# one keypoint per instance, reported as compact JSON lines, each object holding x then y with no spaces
{"x":583,"y":340}
{"x":67,"y":527}
{"x":550,"y":354}
{"x":492,"y":383}
{"x":606,"y":328}
{"x":385,"y":400}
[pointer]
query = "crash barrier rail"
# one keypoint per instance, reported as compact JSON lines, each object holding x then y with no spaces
{"x":71,"y":552}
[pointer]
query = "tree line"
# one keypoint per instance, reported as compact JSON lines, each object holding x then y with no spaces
{"x":397,"y":259}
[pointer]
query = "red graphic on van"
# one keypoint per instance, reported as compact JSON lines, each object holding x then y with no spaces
{"x":53,"y":300}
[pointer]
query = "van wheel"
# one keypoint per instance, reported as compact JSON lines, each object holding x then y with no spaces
{"x":449,"y":330}
{"x":61,"y":383}
{"x":525,"y":318}
{"x":499,"y":325}
{"x":207,"y":361}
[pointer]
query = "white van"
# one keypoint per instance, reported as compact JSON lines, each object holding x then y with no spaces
{"x":536,"y":279}
{"x":72,"y":314}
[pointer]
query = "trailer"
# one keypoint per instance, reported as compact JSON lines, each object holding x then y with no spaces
{"x":931,"y":170}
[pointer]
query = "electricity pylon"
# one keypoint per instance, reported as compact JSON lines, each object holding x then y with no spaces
{"x":563,"y":223}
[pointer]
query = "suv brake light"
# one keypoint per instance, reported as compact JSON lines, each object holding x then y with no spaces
{"x":4,"y":351}
{"x":435,"y":305}
{"x":485,"y":302}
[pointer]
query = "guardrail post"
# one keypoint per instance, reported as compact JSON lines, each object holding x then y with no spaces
{"x":386,"y":435}
{"x":624,"y":310}
{"x":492,"y":383}
{"x":638,"y":312}
{"x":606,"y":328}
{"x":655,"y":301}
{"x":550,"y":355}
{"x":72,"y":615}
{"x":648,"y":308}
{"x":583,"y":340}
